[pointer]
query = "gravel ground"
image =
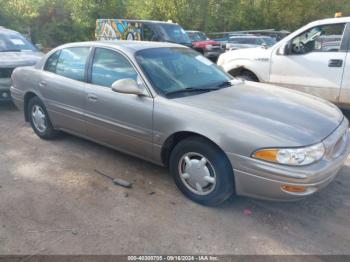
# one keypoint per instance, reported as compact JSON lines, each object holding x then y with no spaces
{"x":53,"y":202}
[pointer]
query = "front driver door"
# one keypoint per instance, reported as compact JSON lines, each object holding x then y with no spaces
{"x":315,"y":63}
{"x":123,"y":121}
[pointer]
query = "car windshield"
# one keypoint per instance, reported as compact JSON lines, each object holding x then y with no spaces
{"x":197,"y":36}
{"x":173,"y":70}
{"x":269,"y":41}
{"x":175,"y":33}
{"x":15,"y":43}
{"x":244,"y":40}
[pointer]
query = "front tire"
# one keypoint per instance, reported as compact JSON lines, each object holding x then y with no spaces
{"x":247,"y":75}
{"x":202,"y":171}
{"x":39,"y":119}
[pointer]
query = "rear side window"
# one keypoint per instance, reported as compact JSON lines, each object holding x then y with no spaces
{"x":109,"y":66}
{"x":71,"y":62}
{"x":51,"y":62}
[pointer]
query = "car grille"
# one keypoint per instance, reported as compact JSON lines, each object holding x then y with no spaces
{"x":340,"y":145}
{"x":6,"y":72}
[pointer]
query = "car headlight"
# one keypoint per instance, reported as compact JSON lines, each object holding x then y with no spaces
{"x":292,"y":156}
{"x":221,"y":60}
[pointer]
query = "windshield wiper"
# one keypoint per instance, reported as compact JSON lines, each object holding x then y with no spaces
{"x":191,"y":89}
{"x":225,"y":84}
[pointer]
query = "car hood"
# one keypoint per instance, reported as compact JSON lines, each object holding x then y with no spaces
{"x":288,"y":117}
{"x":24,"y":58}
{"x":206,"y":42}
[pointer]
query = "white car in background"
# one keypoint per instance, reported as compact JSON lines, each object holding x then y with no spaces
{"x":313,"y":59}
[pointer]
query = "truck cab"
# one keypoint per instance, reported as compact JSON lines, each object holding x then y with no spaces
{"x":314,"y":59}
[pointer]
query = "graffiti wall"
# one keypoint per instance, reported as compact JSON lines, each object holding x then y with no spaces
{"x":117,"y":29}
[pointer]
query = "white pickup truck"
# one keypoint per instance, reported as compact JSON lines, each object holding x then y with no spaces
{"x":314,"y":59}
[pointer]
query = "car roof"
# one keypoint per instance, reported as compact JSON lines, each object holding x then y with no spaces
{"x":124,"y":45}
{"x":4,"y":30}
{"x":139,"y":21}
{"x":337,"y":20}
{"x":248,"y":36}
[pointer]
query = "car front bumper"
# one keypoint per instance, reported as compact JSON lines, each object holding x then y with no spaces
{"x":5,"y":84}
{"x":263,"y":180}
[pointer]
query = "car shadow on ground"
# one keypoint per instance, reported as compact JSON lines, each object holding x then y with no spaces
{"x":7,"y":106}
{"x":327,"y":196}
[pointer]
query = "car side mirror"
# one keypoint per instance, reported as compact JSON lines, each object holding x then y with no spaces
{"x":128,"y":86}
{"x":285,"y":49}
{"x":39,"y":47}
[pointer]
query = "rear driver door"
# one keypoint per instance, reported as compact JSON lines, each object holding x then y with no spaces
{"x":63,"y":88}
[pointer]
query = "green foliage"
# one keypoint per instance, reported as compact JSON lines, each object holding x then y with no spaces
{"x":53,"y":22}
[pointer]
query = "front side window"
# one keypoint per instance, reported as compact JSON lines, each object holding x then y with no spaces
{"x":148,"y":34}
{"x":325,"y":38}
{"x":175,"y":69}
{"x":71,"y":62}
{"x":109,"y":66}
{"x":175,"y":33}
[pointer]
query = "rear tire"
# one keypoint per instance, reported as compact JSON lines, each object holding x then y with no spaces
{"x":202,"y":171}
{"x":39,"y":119}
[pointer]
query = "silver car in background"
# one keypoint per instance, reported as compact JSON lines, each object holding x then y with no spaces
{"x":235,"y":42}
{"x":15,"y":50}
{"x":169,"y":105}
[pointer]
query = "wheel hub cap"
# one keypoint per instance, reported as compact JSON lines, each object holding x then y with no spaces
{"x":197,"y":173}
{"x":39,"y":118}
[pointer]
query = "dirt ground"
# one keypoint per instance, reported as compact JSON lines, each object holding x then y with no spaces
{"x":52,"y":202}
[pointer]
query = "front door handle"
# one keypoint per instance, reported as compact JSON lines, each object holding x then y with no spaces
{"x":335,"y":63}
{"x":92,"y":97}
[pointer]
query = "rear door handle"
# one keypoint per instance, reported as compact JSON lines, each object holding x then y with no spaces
{"x":92,"y":97}
{"x":335,"y":63}
{"x":42,"y":84}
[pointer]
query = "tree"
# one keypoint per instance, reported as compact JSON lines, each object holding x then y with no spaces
{"x":53,"y":22}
